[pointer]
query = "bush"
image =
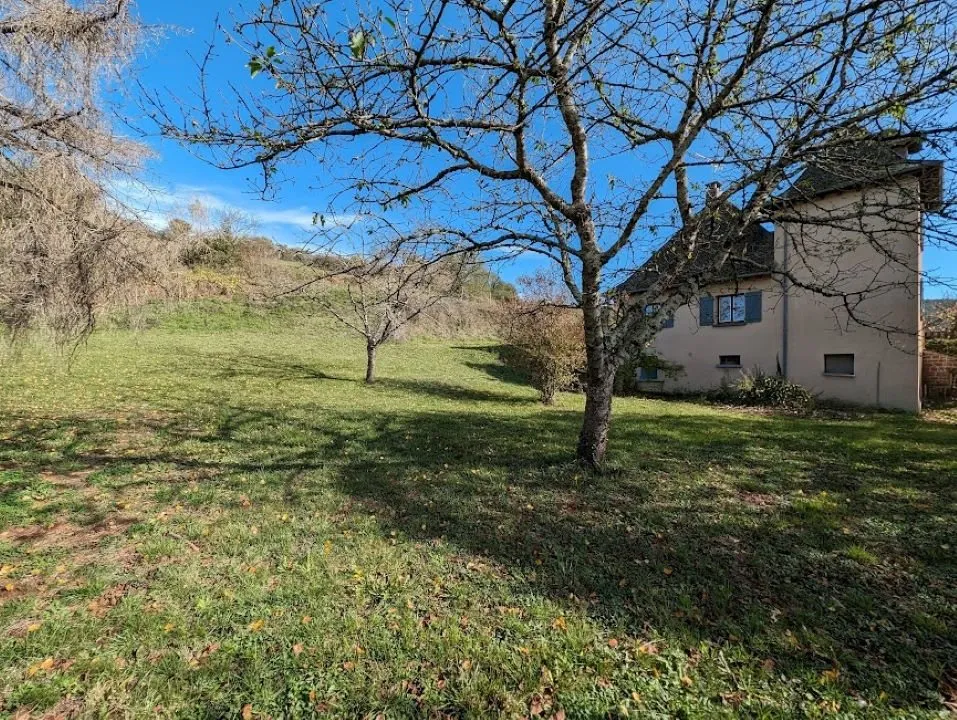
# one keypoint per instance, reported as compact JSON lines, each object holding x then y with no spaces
{"x":626,"y":379}
{"x":545,"y":343}
{"x":945,"y":346}
{"x":757,"y":388}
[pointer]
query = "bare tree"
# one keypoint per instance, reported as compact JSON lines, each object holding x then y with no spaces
{"x":580,"y":130}
{"x":377,"y":296}
{"x":62,"y":247}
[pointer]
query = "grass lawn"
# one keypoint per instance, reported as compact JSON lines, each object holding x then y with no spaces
{"x":216,"y":518}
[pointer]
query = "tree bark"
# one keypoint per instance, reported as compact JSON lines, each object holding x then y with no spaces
{"x":593,"y":438}
{"x":599,"y":371}
{"x":370,"y":363}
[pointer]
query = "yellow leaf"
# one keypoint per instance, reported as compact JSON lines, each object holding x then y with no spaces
{"x":306,"y":619}
{"x":686,"y":681}
{"x":169,"y":627}
{"x":257,"y":625}
{"x":297,"y":649}
{"x":830,"y":676}
{"x":33,"y":627}
{"x":247,"y":711}
{"x":559,"y":623}
{"x":668,"y":571}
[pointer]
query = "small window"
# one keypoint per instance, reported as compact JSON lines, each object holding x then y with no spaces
{"x":646,"y":374}
{"x":839,"y":364}
{"x":731,"y":309}
{"x":651,"y":309}
{"x":729,"y":361}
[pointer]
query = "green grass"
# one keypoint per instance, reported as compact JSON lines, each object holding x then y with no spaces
{"x":217,"y":514}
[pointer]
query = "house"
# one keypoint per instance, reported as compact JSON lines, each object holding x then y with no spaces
{"x":851,"y":224}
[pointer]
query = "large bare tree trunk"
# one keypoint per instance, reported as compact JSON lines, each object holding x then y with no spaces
{"x":370,"y":363}
{"x":599,"y":372}
{"x":593,"y":439}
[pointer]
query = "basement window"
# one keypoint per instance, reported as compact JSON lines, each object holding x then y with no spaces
{"x":648,"y":374}
{"x":729,"y":361}
{"x":841,"y":365}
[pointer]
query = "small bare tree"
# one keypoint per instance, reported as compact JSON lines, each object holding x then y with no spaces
{"x":61,"y":246}
{"x":380,"y":295}
{"x":522,"y":117}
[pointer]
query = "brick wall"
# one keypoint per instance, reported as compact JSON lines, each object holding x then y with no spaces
{"x":939,"y":375}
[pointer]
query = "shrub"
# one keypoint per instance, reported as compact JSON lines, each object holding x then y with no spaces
{"x":946,"y":346}
{"x":545,"y":343}
{"x":626,"y":380}
{"x":758,"y":388}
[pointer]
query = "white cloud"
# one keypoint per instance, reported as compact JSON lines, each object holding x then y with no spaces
{"x":156,"y":205}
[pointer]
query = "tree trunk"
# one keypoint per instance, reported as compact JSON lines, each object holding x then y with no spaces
{"x":599,"y":371}
{"x":370,"y":363}
{"x":593,"y":439}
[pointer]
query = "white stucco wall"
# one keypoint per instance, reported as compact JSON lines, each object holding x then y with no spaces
{"x":886,"y":357}
{"x":882,"y":327}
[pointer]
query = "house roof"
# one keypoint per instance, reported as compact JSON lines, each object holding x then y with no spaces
{"x":871,"y":161}
{"x":721,"y":224}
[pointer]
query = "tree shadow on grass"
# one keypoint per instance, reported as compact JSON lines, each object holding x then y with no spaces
{"x":810,"y":544}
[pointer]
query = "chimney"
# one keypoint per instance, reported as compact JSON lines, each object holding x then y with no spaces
{"x":714,"y":189}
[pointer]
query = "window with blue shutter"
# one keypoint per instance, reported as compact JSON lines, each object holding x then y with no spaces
{"x":669,"y":321}
{"x":733,"y":309}
{"x":645,"y":374}
{"x":706,"y":308}
{"x":752,"y":307}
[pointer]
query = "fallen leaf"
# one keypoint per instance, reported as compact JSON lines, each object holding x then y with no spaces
{"x":686,"y":681}
{"x":297,"y":649}
{"x":560,"y":623}
{"x":33,"y":627}
{"x":612,"y":643}
{"x":668,"y":571}
{"x":257,"y":625}
{"x":247,"y":711}
{"x":348,"y":665}
{"x":306,"y":619}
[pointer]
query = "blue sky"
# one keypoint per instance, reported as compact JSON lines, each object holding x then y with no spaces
{"x":174,"y":177}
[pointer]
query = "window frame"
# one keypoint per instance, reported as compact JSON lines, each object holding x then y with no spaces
{"x":723,"y":364}
{"x":643,"y":370}
{"x":831,"y":373}
{"x":732,"y":297}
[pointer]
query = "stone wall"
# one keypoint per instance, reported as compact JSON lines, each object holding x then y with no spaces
{"x":939,"y":375}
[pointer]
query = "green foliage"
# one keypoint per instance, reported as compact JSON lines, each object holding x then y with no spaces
{"x":626,"y":379}
{"x":758,"y":388}
{"x":947,"y":346}
{"x":220,"y":250}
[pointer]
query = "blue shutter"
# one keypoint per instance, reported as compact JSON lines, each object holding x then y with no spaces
{"x":706,"y":306}
{"x":669,"y":321}
{"x":646,"y":374}
{"x":752,"y":307}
